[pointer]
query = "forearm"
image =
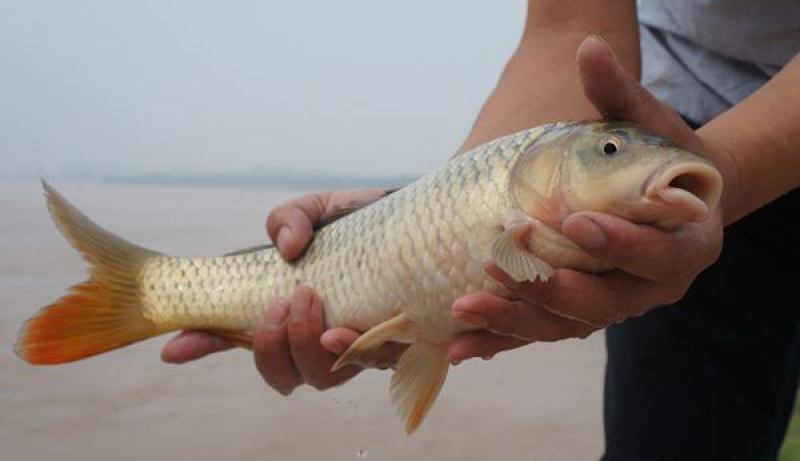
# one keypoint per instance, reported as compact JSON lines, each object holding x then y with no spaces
{"x":757,"y":144}
{"x":540,"y":82}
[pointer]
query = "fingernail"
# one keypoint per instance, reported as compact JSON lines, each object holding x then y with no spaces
{"x":487,"y":357}
{"x":586,"y":233}
{"x":284,"y":236}
{"x":455,"y":362}
{"x":276,"y":315}
{"x":606,"y":46}
{"x":472,"y":319}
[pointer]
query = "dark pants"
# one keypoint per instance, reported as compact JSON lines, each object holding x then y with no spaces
{"x":714,"y":376}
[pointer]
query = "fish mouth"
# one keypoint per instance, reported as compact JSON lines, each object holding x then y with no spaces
{"x":686,"y":191}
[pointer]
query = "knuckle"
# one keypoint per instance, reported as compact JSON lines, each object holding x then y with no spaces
{"x":711,"y":256}
{"x":277,"y":216}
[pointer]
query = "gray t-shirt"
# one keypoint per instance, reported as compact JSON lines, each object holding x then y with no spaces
{"x":704,"y":56}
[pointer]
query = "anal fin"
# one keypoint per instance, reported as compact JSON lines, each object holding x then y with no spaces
{"x":420,"y":374}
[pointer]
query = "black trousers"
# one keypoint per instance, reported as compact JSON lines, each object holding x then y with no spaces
{"x":714,"y":377}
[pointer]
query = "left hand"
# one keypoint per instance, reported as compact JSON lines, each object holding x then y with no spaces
{"x":653,"y":267}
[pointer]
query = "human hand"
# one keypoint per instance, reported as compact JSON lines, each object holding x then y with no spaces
{"x":291,"y":225}
{"x":653,"y":267}
{"x":290,"y":346}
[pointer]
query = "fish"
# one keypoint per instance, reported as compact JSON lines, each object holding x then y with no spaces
{"x":391,"y":269}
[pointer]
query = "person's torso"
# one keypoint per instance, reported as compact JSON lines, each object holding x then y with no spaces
{"x":704,"y":56}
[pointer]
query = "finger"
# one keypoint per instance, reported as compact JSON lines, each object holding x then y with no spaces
{"x":305,"y":330}
{"x":484,"y":344}
{"x":338,"y":340}
{"x":342,"y":203}
{"x":614,"y":295}
{"x":643,"y":250}
{"x":271,"y":350}
{"x":618,"y":95}
{"x":291,"y":226}
{"x":517,"y":318}
{"x":191,"y":345}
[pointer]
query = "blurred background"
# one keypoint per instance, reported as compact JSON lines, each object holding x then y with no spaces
{"x":239,"y":90}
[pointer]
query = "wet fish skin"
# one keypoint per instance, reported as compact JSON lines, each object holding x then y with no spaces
{"x":414,"y":248}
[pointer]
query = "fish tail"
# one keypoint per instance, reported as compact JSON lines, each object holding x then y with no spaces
{"x":99,"y":314}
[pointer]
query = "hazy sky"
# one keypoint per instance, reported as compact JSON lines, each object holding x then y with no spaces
{"x":351,"y":87}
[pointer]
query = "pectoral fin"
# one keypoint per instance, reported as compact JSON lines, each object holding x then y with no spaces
{"x":511,"y":254}
{"x":367,"y":345}
{"x":421,"y":371}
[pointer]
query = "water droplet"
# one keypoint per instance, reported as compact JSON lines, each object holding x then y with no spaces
{"x":361,"y":453}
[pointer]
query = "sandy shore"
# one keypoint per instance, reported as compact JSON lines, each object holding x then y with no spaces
{"x":539,"y":403}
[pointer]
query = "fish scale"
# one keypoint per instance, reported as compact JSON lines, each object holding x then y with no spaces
{"x":422,"y":230}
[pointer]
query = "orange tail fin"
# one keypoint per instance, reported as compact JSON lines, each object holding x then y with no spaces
{"x":98,"y":315}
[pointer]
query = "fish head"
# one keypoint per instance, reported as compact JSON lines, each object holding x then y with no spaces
{"x":615,"y":168}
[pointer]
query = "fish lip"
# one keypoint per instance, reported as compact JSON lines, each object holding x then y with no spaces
{"x":691,"y":205}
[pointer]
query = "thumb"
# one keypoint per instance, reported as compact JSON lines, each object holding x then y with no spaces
{"x":618,"y":95}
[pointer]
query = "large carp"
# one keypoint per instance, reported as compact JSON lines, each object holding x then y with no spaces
{"x":393,"y":268}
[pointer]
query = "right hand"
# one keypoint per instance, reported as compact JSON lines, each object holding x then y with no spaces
{"x":290,"y":345}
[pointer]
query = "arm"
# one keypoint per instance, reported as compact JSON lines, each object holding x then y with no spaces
{"x":541,"y":82}
{"x":752,"y":144}
{"x":760,"y":136}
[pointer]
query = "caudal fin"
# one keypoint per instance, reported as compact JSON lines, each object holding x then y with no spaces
{"x":99,"y":314}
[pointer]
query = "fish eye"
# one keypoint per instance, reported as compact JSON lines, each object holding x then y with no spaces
{"x":611,"y":146}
